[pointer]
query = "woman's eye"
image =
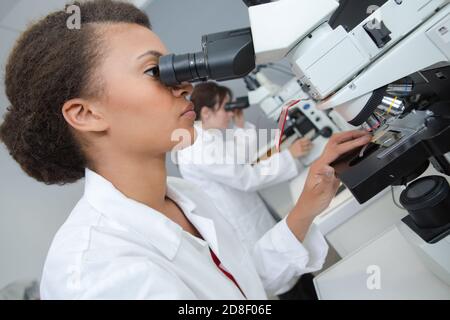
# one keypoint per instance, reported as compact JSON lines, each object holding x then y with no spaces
{"x":152,"y":72}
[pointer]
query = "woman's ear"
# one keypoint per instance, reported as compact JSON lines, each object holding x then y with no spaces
{"x":83,"y":115}
{"x":205,"y":113}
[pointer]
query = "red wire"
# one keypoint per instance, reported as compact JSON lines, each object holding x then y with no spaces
{"x":286,"y":110}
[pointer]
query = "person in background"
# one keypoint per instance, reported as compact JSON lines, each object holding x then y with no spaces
{"x":234,"y":186}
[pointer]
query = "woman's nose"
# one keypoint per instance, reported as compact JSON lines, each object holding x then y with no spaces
{"x":183,"y":89}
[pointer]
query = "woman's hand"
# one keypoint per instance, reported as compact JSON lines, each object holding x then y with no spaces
{"x":238,"y":118}
{"x":321,"y":184}
{"x":300,"y":147}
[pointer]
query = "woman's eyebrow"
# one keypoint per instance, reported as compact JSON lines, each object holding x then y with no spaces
{"x":154,"y":53}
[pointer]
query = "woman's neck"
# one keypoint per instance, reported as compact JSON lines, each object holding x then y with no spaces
{"x":207,"y":126}
{"x":141,"y":179}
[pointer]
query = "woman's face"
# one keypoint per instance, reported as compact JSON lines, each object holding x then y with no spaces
{"x":218,"y":118}
{"x":141,"y":112}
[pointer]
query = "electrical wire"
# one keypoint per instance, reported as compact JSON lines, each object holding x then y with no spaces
{"x":394,"y":200}
{"x":440,"y":117}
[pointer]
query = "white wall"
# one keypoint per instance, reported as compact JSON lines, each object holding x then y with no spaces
{"x":30,"y":212}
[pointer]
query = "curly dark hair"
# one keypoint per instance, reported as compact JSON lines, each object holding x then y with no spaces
{"x":49,"y":65}
{"x":208,"y":94}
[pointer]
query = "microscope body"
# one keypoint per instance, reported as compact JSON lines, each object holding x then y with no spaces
{"x":304,"y":118}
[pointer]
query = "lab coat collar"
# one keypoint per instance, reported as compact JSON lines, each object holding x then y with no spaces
{"x":160,"y":231}
{"x":204,"y":225}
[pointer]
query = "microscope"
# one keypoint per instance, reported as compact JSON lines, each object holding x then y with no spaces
{"x":240,"y":103}
{"x":387,"y":72}
{"x":304,"y":119}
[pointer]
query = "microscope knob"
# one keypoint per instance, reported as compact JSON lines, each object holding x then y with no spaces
{"x":326,"y":132}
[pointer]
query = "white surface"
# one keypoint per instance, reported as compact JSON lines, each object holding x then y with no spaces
{"x":258,"y":95}
{"x":392,"y":66}
{"x":328,"y":63}
{"x":365,"y":223}
{"x":342,"y":208}
{"x":436,"y":256}
{"x":278,"y":26}
{"x":402,"y":273}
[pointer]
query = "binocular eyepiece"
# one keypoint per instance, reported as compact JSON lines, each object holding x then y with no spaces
{"x":239,"y":104}
{"x":224,"y":56}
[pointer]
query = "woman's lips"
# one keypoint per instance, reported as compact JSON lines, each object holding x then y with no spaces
{"x":189,"y":112}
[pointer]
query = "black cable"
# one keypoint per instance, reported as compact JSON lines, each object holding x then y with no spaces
{"x":394,"y":200}
{"x":440,"y":117}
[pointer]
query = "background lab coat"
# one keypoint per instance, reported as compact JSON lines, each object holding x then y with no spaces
{"x":233,"y":188}
{"x":112,"y":247}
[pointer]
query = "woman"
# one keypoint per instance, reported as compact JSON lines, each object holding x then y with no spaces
{"x":233,"y":184}
{"x":87,"y":103}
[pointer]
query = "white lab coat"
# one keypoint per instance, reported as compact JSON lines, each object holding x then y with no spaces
{"x":112,"y":247}
{"x":233,"y":187}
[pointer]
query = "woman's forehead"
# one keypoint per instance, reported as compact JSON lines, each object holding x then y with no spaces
{"x":133,"y":39}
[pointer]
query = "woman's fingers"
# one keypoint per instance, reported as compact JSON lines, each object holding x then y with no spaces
{"x":341,"y":137}
{"x":353,"y":144}
{"x":347,"y":141}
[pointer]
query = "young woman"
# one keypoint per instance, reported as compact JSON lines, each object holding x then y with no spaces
{"x":233,"y":184}
{"x":87,"y":103}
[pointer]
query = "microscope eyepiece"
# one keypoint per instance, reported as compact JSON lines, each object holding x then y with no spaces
{"x":224,"y":56}
{"x":239,"y":104}
{"x":189,"y":67}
